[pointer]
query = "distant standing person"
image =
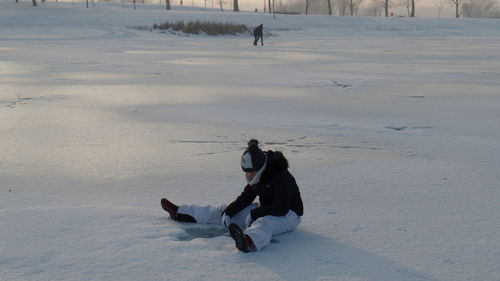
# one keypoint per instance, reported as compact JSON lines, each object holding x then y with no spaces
{"x":257,"y":33}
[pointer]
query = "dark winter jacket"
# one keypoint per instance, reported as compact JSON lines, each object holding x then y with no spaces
{"x":278,"y":192}
{"x":258,"y":30}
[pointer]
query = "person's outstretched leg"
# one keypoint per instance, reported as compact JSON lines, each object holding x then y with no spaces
{"x":263,"y":229}
{"x":172,"y":209}
{"x":203,"y":214}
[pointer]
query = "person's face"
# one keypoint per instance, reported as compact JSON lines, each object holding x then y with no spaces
{"x":250,"y":175}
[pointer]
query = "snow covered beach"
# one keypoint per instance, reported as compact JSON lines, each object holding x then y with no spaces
{"x":390,"y":125}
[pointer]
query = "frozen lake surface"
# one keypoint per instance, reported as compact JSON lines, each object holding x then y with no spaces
{"x":391,"y":127}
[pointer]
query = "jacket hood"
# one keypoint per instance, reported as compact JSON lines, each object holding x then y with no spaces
{"x":276,"y":164}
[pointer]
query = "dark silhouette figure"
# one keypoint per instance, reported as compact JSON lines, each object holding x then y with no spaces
{"x":257,"y":33}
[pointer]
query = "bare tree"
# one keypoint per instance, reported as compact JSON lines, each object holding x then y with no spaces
{"x":456,"y":4}
{"x":410,"y":7}
{"x":329,"y":2}
{"x":281,"y":5}
{"x":384,"y":4}
{"x":478,"y":9}
{"x":221,"y":4}
{"x":342,"y":6}
{"x":354,"y":6}
{"x":374,"y":9}
{"x":440,"y":7}
{"x":406,"y":3}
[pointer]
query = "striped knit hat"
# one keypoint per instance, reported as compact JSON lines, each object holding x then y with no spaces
{"x":253,"y":159}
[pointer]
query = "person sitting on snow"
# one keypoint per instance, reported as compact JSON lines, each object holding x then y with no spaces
{"x":252,"y":225}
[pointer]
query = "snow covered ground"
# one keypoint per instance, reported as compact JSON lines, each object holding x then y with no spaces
{"x":391,"y":127}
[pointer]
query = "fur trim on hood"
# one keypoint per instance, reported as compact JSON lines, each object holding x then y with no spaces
{"x":276,"y":164}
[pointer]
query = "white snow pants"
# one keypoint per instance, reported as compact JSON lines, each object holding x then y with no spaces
{"x":261,"y":231}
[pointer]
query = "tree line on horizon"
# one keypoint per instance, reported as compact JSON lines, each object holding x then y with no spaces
{"x":462,"y":8}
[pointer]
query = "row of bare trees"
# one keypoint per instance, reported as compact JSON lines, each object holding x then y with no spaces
{"x":480,"y":9}
{"x":43,"y":1}
{"x":473,"y":8}
{"x":464,"y":8}
{"x":351,"y":7}
{"x":468,"y":8}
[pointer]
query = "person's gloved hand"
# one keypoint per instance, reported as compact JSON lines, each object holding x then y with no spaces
{"x":225,"y":220}
{"x":248,"y":221}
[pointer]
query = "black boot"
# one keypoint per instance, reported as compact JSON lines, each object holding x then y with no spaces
{"x":171,"y":208}
{"x":242,"y":241}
